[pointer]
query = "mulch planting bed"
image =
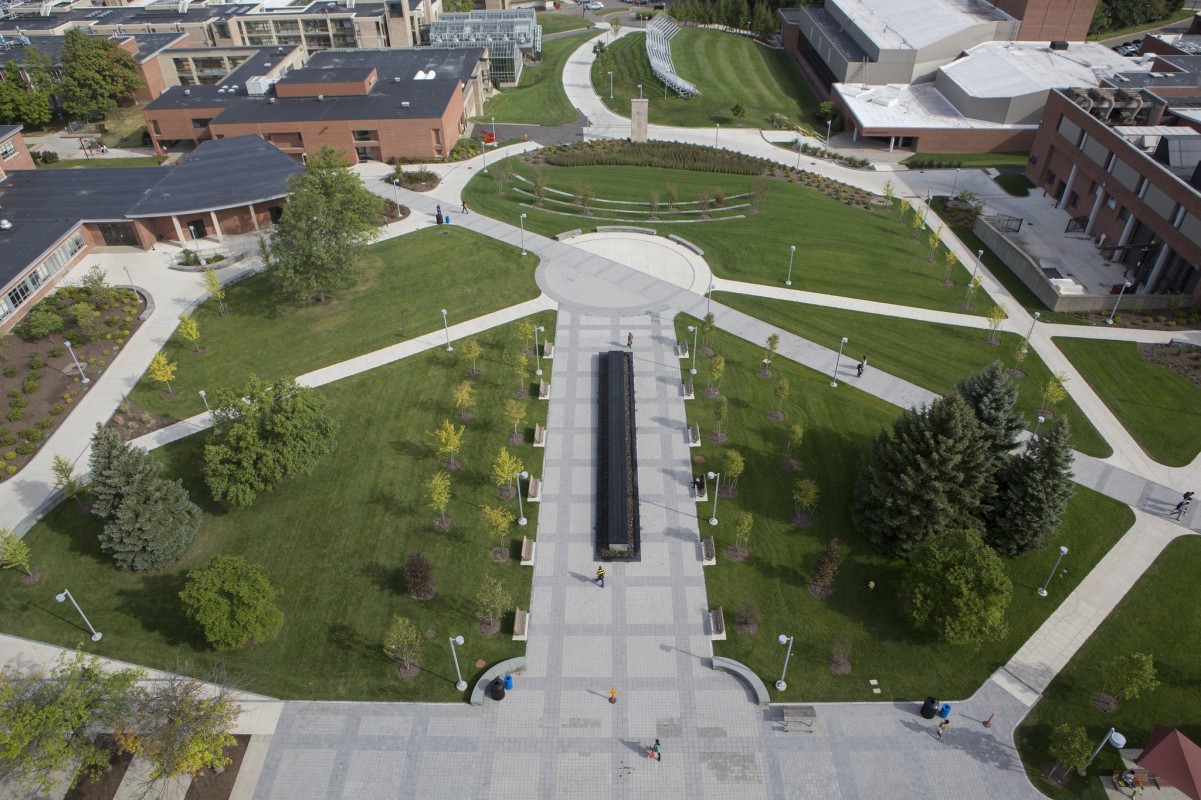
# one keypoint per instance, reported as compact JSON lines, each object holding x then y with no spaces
{"x":105,"y":787}
{"x":1184,"y":361}
{"x":213,"y":785}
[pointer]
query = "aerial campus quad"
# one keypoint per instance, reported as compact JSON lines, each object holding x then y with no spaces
{"x":678,"y":359}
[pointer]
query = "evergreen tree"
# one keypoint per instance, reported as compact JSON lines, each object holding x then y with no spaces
{"x":234,"y":601}
{"x":957,"y":588}
{"x":991,"y":394}
{"x":1033,"y":491}
{"x":95,"y":74}
{"x":763,"y":21}
{"x":928,"y":476}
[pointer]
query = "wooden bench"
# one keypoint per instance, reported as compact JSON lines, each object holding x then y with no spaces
{"x":528,"y":548}
{"x":689,"y":391}
{"x":717,"y":625}
{"x":799,"y":715}
{"x":708,"y":552}
{"x":548,"y":350}
{"x":543,"y":390}
{"x":535,"y":493}
{"x":1141,"y":779}
{"x":694,"y":435}
{"x":682,"y":349}
{"x":521,"y":626}
{"x":539,"y":435}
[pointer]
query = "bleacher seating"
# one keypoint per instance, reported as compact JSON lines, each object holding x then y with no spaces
{"x":659,"y":32}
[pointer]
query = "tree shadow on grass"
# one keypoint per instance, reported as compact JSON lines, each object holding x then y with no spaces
{"x":349,"y":641}
{"x":385,"y":577}
{"x":390,"y":503}
{"x":156,"y":607}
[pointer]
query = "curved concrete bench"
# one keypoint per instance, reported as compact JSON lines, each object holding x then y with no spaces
{"x":498,"y":670}
{"x":625,"y":229}
{"x":742,"y":671}
{"x":686,"y":243}
{"x":567,"y":234}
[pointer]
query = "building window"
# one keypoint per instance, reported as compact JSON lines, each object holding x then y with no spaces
{"x":1141,"y":190}
{"x":1110,"y":202}
{"x":201,"y":123}
{"x":19,"y":294}
{"x":365,"y":136}
{"x":1073,"y":200}
{"x":1082,"y":139}
{"x":8,"y":149}
{"x":1092,"y":189}
{"x":1110,"y":160}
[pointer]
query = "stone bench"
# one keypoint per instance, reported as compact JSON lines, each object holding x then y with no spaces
{"x":521,"y":626}
{"x":717,"y":625}
{"x":548,"y":350}
{"x":625,"y":229}
{"x":799,"y":715}
{"x":535,"y":493}
{"x":543,"y":390}
{"x":511,"y":666}
{"x":682,"y":349}
{"x":528,"y":548}
{"x":689,"y":391}
{"x":686,"y":243}
{"x":708,"y":552}
{"x":753,"y":681}
{"x":539,"y":435}
{"x":567,"y":234}
{"x":694,"y":435}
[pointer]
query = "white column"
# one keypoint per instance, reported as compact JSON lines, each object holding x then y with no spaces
{"x":178,"y":230}
{"x":1067,"y":188}
{"x":1092,"y":215}
{"x":1153,"y":278}
{"x":254,"y":218}
{"x":1124,"y":239}
{"x":216,"y":227}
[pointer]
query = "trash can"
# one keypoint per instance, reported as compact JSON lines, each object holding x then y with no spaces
{"x":509,"y":682}
{"x":929,"y":708}
{"x":945,"y":711}
{"x":497,"y":689}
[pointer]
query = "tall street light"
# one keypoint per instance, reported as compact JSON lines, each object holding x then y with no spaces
{"x":495,"y":142}
{"x":462,"y":684}
{"x":204,"y":397}
{"x":1042,"y":592}
{"x":521,"y":222}
{"x":716,"y":477}
{"x":1114,"y":738}
{"x":1125,"y":286}
{"x":955,"y":183}
{"x":780,"y":684}
{"x":1030,"y":332}
{"x":128,"y":277}
{"x":976,"y":269}
{"x":71,"y":350}
{"x":829,"y":122}
{"x":640,"y":91}
{"x":791,"y":253}
{"x":66,"y":595}
{"x":537,"y":351}
{"x":837,"y":361}
{"x":446,"y":328}
{"x":695,"y":331}
{"x":716,"y":133}
{"x":610,"y":84}
{"x":484,"y":153}
{"x":521,"y":520}
{"x":709,"y":296}
{"x":798,"y":152}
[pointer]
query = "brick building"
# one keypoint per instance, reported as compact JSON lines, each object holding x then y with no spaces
{"x":1050,"y":20}
{"x":368,"y":105}
{"x":14,"y":154}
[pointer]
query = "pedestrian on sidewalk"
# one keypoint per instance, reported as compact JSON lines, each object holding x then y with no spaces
{"x":600,"y":576}
{"x":630,"y":340}
{"x":943,"y":726}
{"x":861,"y":367}
{"x":656,"y":754}
{"x":1181,"y":509}
{"x":465,"y":211}
{"x":1188,"y":496}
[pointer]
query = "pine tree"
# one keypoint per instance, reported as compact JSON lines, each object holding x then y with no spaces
{"x":925,"y":477}
{"x":1034,"y":489}
{"x":991,"y":394}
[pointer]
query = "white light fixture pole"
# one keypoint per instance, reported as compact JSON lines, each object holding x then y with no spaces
{"x":205,"y":398}
{"x":521,"y":222}
{"x":716,"y":477}
{"x":837,"y":361}
{"x":128,"y":277}
{"x":955,"y":183}
{"x":1114,"y":738}
{"x":1125,"y":286}
{"x":780,"y":684}
{"x":495,"y":141}
{"x":695,"y":331}
{"x":396,"y":193}
{"x":1030,"y":332}
{"x":537,"y":351}
{"x":716,"y":133}
{"x":446,"y":328}
{"x":829,"y":122}
{"x":484,"y":153}
{"x":66,"y":595}
{"x":709,"y":296}
{"x":640,"y":91}
{"x":1041,"y":420}
{"x":976,"y":269}
{"x":610,"y":84}
{"x":462,"y":684}
{"x":521,"y":520}
{"x":791,"y":254}
{"x":798,"y":151}
{"x":926,"y":212}
{"x":71,"y":350}
{"x":1042,"y":592}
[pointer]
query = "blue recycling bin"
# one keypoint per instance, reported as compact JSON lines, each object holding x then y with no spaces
{"x":509,"y":682}
{"x":945,"y":711}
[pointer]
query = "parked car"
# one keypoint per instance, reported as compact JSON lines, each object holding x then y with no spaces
{"x":595,"y":5}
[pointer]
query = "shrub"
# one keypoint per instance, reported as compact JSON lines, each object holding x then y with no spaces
{"x":31,"y":434}
{"x":29,"y":385}
{"x":40,"y":323}
{"x":58,"y":351}
{"x":10,"y":469}
{"x":16,"y":415}
{"x":189,"y":258}
{"x":57,"y":409}
{"x":666,"y":155}
{"x":48,"y":157}
{"x":45,"y":424}
{"x":24,"y":449}
{"x":234,"y":601}
{"x":14,"y":393}
{"x":6,"y":438}
{"x":11,"y":371}
{"x":10,"y":455}
{"x":35,"y":362}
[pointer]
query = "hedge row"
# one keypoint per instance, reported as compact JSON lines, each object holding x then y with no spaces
{"x":668,"y":155}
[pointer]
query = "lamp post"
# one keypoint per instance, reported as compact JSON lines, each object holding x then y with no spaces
{"x":71,"y":350}
{"x":1042,"y":592}
{"x":521,"y":222}
{"x":204,"y":397}
{"x":484,"y":153}
{"x":780,"y":684}
{"x":640,"y":91}
{"x":837,"y":361}
{"x":954,"y":183}
{"x":709,"y":297}
{"x":695,"y":330}
{"x":446,"y":328}
{"x":610,"y":84}
{"x":791,"y":253}
{"x":462,"y":684}
{"x":1125,"y":286}
{"x":976,"y":268}
{"x":521,"y":520}
{"x":716,"y":133}
{"x":1041,"y":420}
{"x":494,"y":139}
{"x":537,"y":351}
{"x":829,"y":122}
{"x":128,"y":277}
{"x":798,"y":151}
{"x":1030,"y":332}
{"x":66,"y":595}
{"x":716,"y":477}
{"x":926,"y":212}
{"x":1113,"y":737}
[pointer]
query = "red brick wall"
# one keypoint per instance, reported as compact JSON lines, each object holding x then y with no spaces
{"x":1045,"y":20}
{"x":89,"y":238}
{"x":983,"y":140}
{"x":19,"y":160}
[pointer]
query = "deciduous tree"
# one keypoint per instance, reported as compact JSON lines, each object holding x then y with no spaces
{"x":957,"y":588}
{"x":796,"y":435}
{"x":448,"y":440}
{"x":463,"y":396}
{"x":190,"y":330}
{"x":419,"y":577}
{"x":233,"y":601}
{"x":950,"y":261}
{"x":933,"y":240}
{"x":805,"y":494}
{"x":94,"y":75}
{"x":212,"y":284}
{"x":717,"y":370}
{"x":471,"y":349}
{"x":492,"y":600}
{"x":515,"y":412}
{"x":64,"y":478}
{"x":14,"y":552}
{"x":437,"y":489}
{"x":742,"y":529}
{"x":538,"y":186}
{"x":1132,"y":674}
{"x":162,"y":371}
{"x":1070,"y":747}
{"x":733,"y":465}
{"x":782,"y":389}
{"x":402,"y":642}
{"x":506,"y":467}
{"x":1053,"y":391}
{"x":499,"y":519}
{"x":721,"y":414}
{"x":996,"y":315}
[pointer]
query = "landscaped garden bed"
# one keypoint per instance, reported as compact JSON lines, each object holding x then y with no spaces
{"x":38,"y":377}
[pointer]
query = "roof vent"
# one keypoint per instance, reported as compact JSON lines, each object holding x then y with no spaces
{"x":396,"y":79}
{"x":5,"y":225}
{"x":405,"y":104}
{"x":187,"y":92}
{"x":1059,"y":45}
{"x":271,"y":100}
{"x":320,"y":98}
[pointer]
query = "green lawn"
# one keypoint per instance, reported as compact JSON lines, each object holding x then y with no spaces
{"x":539,"y":98}
{"x":1001,"y":272}
{"x":335,"y":542}
{"x":967,"y":160}
{"x":1017,"y":184}
{"x":405,"y":283}
{"x":560,"y":21}
{"x":1122,"y":33}
{"x":1160,"y":409}
{"x":840,"y":250}
{"x":904,"y":348}
{"x":840,"y":425}
{"x":103,"y":163}
{"x":1150,"y":619}
{"x":725,"y":68}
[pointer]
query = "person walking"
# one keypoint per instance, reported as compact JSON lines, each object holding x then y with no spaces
{"x":465,"y":211}
{"x":1188,"y":496}
{"x":943,"y":726}
{"x":1181,"y":509}
{"x":600,"y":576}
{"x":656,"y":752}
{"x":862,"y":365}
{"x":630,"y":340}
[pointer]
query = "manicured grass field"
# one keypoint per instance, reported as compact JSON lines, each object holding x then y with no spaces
{"x":335,"y":543}
{"x":904,"y":348}
{"x":404,"y":285}
{"x":1156,"y":617}
{"x":1160,"y":409}
{"x":558,"y":22}
{"x":725,"y":67}
{"x":103,"y":163}
{"x":539,"y":98}
{"x":840,"y":250}
{"x":969,"y":160}
{"x":840,"y":425}
{"x":1017,"y":185}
